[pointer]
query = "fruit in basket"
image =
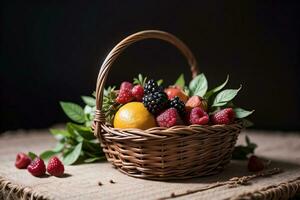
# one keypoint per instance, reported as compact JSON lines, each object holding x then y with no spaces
{"x":224,"y":116}
{"x":37,"y":167}
{"x":138,"y":92}
{"x":173,"y":91}
{"x":168,"y":118}
{"x":198,"y":116}
{"x":196,"y":101}
{"x":134,"y":115}
{"x":125,"y":94}
{"x":22,"y":161}
{"x":178,"y":105}
{"x":55,"y":167}
{"x":151,"y":87}
{"x":155,"y":102}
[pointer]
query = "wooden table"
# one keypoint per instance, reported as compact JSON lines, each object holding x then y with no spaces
{"x":81,"y":182}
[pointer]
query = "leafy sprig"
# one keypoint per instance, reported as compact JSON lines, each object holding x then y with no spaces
{"x":241,"y":152}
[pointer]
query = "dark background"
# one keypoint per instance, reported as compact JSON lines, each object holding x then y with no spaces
{"x":52,"y":51}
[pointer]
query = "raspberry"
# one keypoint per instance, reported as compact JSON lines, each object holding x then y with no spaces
{"x":255,"y":164}
{"x":126,"y":85}
{"x":22,"y":161}
{"x":138,"y":92}
{"x":55,"y":167}
{"x":168,"y":118}
{"x":37,"y":167}
{"x":225,"y":116}
{"x":198,"y":116}
{"x":125,"y":94}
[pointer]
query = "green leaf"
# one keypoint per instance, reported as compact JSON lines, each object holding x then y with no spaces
{"x":159,"y":82}
{"x":32,"y":155}
{"x":216,"y":89}
{"x":89,"y":100}
{"x":83,"y":131}
{"x":61,"y":132}
{"x":73,"y":111}
{"x":198,"y":86}
{"x":72,"y":156}
{"x":90,"y":160}
{"x":59,"y":147}
{"x":225,"y":96}
{"x":241,"y":113}
{"x":247,"y":123}
{"x":180,"y":81}
{"x":46,"y":155}
{"x":241,"y":152}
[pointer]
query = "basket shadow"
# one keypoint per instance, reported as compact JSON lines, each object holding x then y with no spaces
{"x":237,"y":169}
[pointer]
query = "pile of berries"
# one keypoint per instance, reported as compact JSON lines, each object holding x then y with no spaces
{"x":37,"y":166}
{"x":172,"y":106}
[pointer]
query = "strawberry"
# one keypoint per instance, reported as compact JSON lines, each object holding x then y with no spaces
{"x":37,"y":167}
{"x":55,"y":167}
{"x":225,"y":116}
{"x":125,"y":94}
{"x":138,"y":92}
{"x":22,"y":161}
{"x":255,"y":164}
{"x":198,"y":116}
{"x":168,"y":118}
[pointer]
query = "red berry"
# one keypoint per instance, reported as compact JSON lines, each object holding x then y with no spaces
{"x":126,"y":85}
{"x":138,"y":92}
{"x":225,"y":116}
{"x":55,"y":167}
{"x":168,"y":118}
{"x":22,"y":161}
{"x":255,"y":164}
{"x":198,"y":116}
{"x":37,"y":167}
{"x":125,"y":94}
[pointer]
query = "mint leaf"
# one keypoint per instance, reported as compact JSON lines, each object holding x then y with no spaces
{"x":180,"y":81}
{"x":59,"y":147}
{"x":46,"y":155}
{"x":32,"y":155}
{"x":216,"y":89}
{"x":61,"y":132}
{"x":241,"y":113}
{"x":72,"y":155}
{"x":89,"y":100}
{"x":90,"y":160}
{"x":159,"y":82}
{"x":247,"y":123}
{"x":83,"y":131}
{"x":198,"y":86}
{"x":73,"y":111}
{"x":225,"y":96}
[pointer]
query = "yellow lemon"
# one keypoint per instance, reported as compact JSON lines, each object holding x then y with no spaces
{"x":134,"y":115}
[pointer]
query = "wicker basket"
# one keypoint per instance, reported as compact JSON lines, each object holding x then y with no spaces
{"x":162,"y":153}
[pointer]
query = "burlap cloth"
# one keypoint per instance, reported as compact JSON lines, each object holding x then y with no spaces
{"x":81,"y":181}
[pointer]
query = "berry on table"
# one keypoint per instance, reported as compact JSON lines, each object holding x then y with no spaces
{"x":37,"y":167}
{"x":55,"y":167}
{"x":178,"y":104}
{"x":138,"y":92}
{"x":22,"y":161}
{"x":198,"y":116}
{"x":255,"y":164}
{"x":225,"y":116}
{"x":168,"y":118}
{"x":155,"y":102}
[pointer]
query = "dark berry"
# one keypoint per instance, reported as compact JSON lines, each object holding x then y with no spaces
{"x":156,"y":102}
{"x":151,"y":87}
{"x":178,"y":104}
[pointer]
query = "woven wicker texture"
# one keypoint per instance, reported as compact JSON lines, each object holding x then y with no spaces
{"x":163,"y":153}
{"x":81,"y":181}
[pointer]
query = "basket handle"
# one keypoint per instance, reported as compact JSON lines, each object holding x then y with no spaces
{"x":119,"y":48}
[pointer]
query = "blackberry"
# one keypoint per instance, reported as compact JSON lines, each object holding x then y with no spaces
{"x":178,"y":104}
{"x":151,"y":87}
{"x":155,"y":102}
